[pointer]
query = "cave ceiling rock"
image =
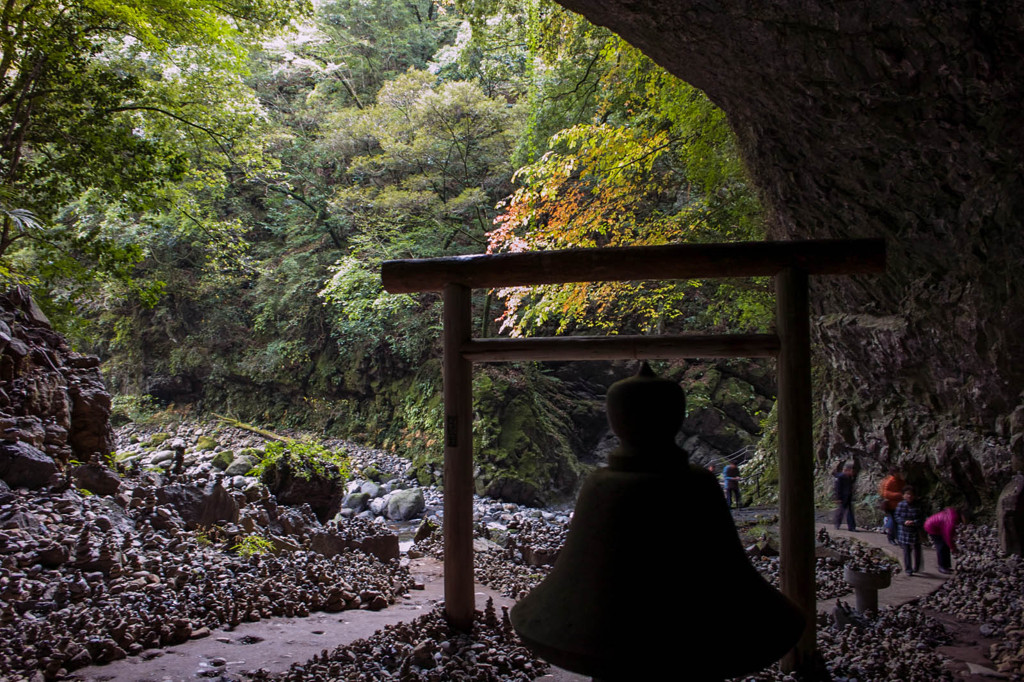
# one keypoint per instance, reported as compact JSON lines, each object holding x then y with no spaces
{"x":880,"y":118}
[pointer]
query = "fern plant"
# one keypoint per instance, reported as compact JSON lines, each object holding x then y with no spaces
{"x":251,"y":545}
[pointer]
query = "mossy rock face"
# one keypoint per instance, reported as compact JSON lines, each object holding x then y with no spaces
{"x":372,"y":473}
{"x":523,"y":437}
{"x":526,"y":433}
{"x":223,"y":459}
{"x":727,"y":404}
{"x":206,"y":443}
{"x":157,"y":439}
{"x":510,"y":487}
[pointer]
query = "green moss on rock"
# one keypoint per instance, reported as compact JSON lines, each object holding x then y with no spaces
{"x":223,"y":459}
{"x":157,"y":439}
{"x":523,"y":436}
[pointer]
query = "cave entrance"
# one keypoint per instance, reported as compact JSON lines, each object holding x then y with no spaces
{"x":790,"y":263}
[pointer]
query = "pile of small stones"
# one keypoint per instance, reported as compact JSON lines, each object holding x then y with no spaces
{"x":152,"y":589}
{"x":900,"y":643}
{"x":494,"y":569}
{"x":426,"y":649}
{"x":987,"y":589}
{"x":834,"y":555}
{"x":897,"y":644}
{"x":523,"y":543}
{"x":89,"y":578}
{"x":526,"y":550}
{"x":516,"y":545}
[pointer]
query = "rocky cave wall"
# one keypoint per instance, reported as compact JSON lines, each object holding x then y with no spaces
{"x":54,"y":406}
{"x":885,"y":118}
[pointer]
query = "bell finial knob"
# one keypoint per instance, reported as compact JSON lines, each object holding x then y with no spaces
{"x":645,"y":411}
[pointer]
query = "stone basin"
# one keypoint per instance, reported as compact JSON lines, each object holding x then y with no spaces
{"x":866,"y":586}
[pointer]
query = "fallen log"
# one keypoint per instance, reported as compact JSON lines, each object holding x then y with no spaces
{"x":255,"y":429}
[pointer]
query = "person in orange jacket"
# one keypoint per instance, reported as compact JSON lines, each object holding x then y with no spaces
{"x":891,"y":492}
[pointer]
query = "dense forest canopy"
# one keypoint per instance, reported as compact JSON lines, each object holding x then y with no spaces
{"x":203,"y":193}
{"x":113,"y":113}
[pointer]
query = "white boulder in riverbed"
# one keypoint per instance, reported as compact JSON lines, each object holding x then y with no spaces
{"x":405,"y":504}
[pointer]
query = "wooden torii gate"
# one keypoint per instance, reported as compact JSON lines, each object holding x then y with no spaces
{"x":790,"y":263}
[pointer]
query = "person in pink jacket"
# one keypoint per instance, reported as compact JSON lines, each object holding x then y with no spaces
{"x":942,"y":527}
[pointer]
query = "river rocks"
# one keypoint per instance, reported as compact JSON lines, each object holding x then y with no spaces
{"x":356,"y":502}
{"x":385,"y":501}
{"x":223,"y":459}
{"x":22,"y":465}
{"x":240,"y":465}
{"x":405,"y":504}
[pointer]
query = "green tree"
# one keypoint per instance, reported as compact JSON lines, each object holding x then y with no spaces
{"x":396,"y":160}
{"x":141,"y":104}
{"x":435,"y":158}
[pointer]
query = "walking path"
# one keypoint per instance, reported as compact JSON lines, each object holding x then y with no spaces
{"x":904,"y":588}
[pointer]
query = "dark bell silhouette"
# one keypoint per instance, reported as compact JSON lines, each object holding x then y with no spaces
{"x":653,"y":578}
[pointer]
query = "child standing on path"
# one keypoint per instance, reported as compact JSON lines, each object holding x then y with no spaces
{"x":909,"y":517}
{"x":941,"y":527}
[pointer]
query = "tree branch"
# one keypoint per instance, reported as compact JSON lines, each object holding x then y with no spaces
{"x":213,"y":135}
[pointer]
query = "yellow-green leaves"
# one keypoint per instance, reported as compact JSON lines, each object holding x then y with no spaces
{"x":655,"y":163}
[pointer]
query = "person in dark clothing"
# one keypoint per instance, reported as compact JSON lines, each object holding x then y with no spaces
{"x":909,"y":521}
{"x":844,"y":497}
{"x":731,"y":478}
